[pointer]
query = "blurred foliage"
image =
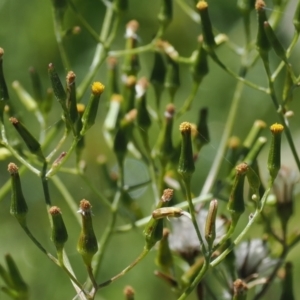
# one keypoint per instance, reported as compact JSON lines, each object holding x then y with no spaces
{"x":27,"y":35}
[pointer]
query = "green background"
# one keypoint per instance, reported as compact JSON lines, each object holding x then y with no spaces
{"x":27,"y":36}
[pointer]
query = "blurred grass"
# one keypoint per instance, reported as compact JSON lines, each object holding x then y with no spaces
{"x":26,"y":34}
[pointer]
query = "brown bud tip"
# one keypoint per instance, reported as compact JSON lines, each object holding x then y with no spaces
{"x":167,"y":195}
{"x":185,"y":127}
{"x":76,"y":30}
{"x":276,"y":128}
{"x":133,"y":25}
{"x":260,"y":5}
{"x":234,"y":142}
{"x":170,"y":111}
{"x":201,"y":5}
{"x":242,"y":168}
{"x":166,"y":232}
{"x":143,"y":82}
{"x":130,"y":81}
{"x":131,"y":115}
{"x":111,"y":62}
{"x":58,"y":160}
{"x":239,"y":287}
{"x":97,"y":88}
{"x":260,"y":124}
{"x":70,"y":77}
{"x":200,"y":38}
{"x":129,"y":291}
{"x":101,"y":159}
{"x":1,"y":52}
{"x":54,"y":210}
{"x":13,"y":120}
{"x":12,"y":168}
{"x":116,"y":97}
{"x":51,"y":66}
{"x":85,"y":206}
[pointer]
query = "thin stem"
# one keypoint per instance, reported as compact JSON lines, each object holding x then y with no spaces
{"x":59,"y":144}
{"x":188,"y":102}
{"x":186,"y":183}
{"x":60,"y":256}
{"x":213,"y":172}
{"x":100,"y":54}
{"x":189,"y":11}
{"x":37,"y":243}
{"x":66,"y":196}
{"x":126,"y":270}
{"x":85,"y":24}
{"x":57,"y":20}
{"x":106,"y":236}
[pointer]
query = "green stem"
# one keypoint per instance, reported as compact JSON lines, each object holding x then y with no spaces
{"x":126,"y":270}
{"x":85,"y":24}
{"x":213,"y":172}
{"x":37,"y":243}
{"x":187,"y":185}
{"x":60,"y":256}
{"x":188,"y":102}
{"x":100,"y":54}
{"x":57,"y":20}
{"x":67,"y":197}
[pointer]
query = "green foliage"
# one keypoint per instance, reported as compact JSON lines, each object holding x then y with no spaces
{"x":168,"y":63}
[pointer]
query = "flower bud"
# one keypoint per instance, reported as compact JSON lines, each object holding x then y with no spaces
{"x":236,"y":204}
{"x":30,"y":141}
{"x":129,"y":293}
{"x":186,"y":165}
{"x":210,"y":224}
{"x":274,"y":158}
{"x":3,"y":88}
{"x":143,"y":117}
{"x":90,"y":113}
{"x":239,"y":290}
{"x":128,"y":102}
{"x":153,"y":231}
{"x":18,"y":206}
{"x":58,"y":89}
{"x":262,"y":42}
{"x":71,"y":102}
{"x":207,"y":32}
{"x":164,"y":257}
{"x":256,"y":130}
{"x":131,"y":64}
{"x":59,"y":234}
{"x":87,"y":244}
